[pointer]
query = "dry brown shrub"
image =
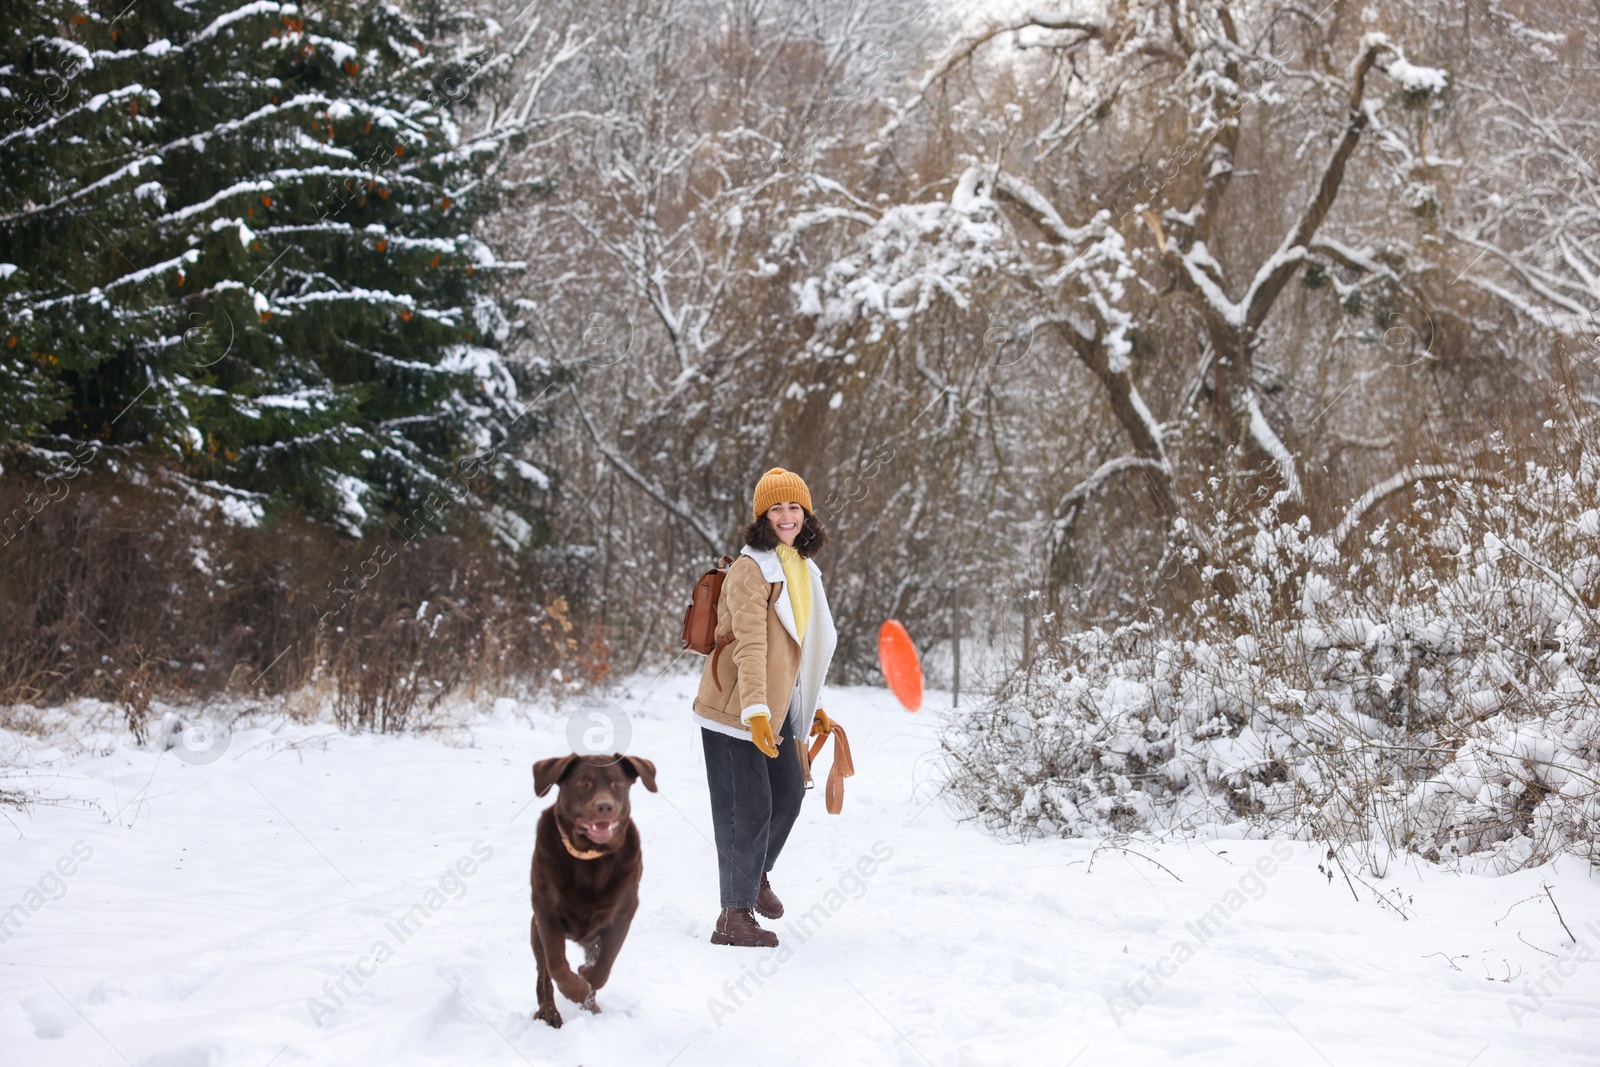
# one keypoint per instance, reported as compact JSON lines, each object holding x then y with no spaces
{"x":129,"y":593}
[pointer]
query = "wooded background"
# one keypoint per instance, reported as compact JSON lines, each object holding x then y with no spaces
{"x":528,"y":296}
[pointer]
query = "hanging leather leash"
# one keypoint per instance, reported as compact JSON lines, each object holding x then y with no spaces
{"x":843,"y":767}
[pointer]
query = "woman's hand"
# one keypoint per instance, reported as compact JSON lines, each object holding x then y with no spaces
{"x":761,"y":734}
{"x":821,"y":725}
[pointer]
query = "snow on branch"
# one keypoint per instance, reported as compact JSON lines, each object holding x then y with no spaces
{"x":104,"y":184}
{"x":1038,"y":207}
{"x":1428,"y":81}
{"x":239,"y":507}
{"x":259,"y":7}
{"x":1194,"y":263}
{"x":1263,"y":434}
{"x":963,"y":48}
{"x":1539,"y":281}
{"x":907,"y":258}
{"x":1101,"y":261}
{"x":242,"y":188}
{"x":802,"y":221}
{"x":1103,"y":473}
{"x":550,"y":63}
{"x":1355,"y":258}
{"x":1071,"y":505}
{"x":1423,"y":472}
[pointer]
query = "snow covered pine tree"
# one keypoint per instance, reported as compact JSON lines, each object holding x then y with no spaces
{"x":238,"y":245}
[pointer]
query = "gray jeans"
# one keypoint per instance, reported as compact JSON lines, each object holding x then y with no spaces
{"x":755,"y":800}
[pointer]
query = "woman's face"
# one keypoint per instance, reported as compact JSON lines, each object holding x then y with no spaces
{"x":786,"y":519}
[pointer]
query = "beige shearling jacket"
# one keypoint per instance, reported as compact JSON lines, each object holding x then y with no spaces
{"x":759,"y":669}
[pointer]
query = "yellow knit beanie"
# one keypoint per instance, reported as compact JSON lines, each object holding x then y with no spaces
{"x":777,"y":486}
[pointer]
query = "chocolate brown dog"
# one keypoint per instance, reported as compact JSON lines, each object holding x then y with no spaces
{"x":586,"y":869}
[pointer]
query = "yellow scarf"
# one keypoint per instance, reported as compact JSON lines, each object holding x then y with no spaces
{"x":797,"y":576}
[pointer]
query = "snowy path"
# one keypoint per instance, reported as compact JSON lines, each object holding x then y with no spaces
{"x":220,"y":902}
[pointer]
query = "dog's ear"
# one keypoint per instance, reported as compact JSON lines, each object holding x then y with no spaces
{"x":547,"y":772}
{"x":642,"y":769}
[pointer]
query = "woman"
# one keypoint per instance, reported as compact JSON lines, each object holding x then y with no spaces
{"x":775,"y":639}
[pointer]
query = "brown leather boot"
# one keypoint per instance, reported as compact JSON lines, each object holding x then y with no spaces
{"x":767,"y":902}
{"x":737,"y":926}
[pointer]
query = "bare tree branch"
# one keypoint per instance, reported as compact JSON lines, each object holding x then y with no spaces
{"x":675,"y":507}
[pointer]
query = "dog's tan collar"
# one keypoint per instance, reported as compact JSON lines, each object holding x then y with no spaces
{"x":587,"y":854}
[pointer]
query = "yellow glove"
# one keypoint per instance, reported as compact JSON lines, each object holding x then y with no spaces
{"x":821,"y":726}
{"x":761,"y":734}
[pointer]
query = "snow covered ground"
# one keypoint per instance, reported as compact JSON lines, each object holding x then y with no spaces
{"x":195,"y":915}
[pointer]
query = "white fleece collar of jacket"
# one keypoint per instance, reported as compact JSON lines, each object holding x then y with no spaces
{"x":816,"y":652}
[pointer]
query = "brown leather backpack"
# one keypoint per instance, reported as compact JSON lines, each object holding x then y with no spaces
{"x":700,"y":617}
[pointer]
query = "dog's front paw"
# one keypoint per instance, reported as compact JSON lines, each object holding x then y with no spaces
{"x":574,"y":988}
{"x":549,"y":1014}
{"x":590,"y":1006}
{"x":596,"y":981}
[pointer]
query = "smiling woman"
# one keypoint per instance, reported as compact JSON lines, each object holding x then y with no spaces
{"x":774,"y":612}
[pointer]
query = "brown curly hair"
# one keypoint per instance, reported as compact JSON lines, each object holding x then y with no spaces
{"x":811,"y":539}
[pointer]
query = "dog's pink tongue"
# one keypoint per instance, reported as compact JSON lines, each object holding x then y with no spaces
{"x":600,"y":832}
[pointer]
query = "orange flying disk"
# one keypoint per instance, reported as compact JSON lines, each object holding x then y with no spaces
{"x":901,"y":667}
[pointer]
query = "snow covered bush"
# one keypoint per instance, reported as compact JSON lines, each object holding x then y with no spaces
{"x":1429,"y":685}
